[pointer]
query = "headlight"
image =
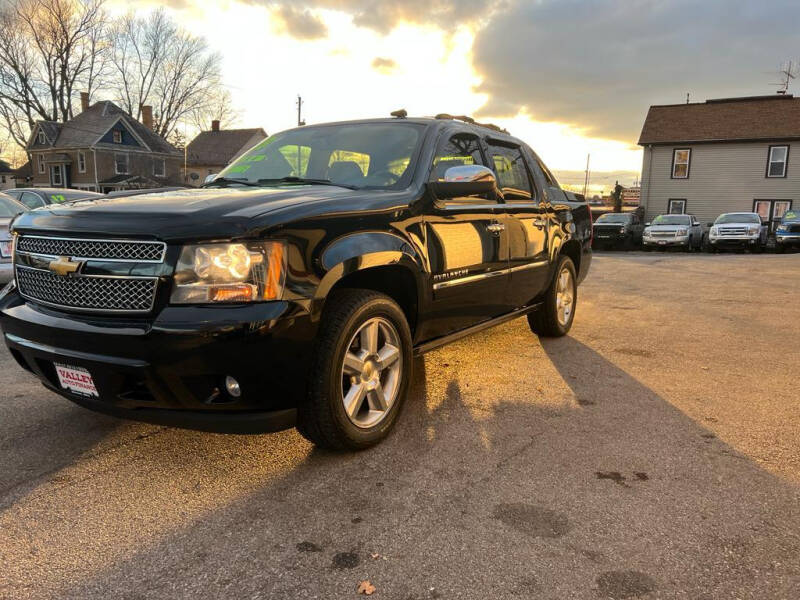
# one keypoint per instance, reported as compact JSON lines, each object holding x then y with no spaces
{"x":782,"y":228}
{"x":714,"y":231}
{"x":622,"y":230}
{"x":754,"y":230}
{"x":647,"y":231}
{"x":242,"y":272}
{"x":682,"y":231}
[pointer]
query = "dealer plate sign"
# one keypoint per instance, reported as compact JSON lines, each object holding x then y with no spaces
{"x":76,"y":379}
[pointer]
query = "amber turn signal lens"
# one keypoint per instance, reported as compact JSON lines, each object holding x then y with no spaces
{"x":232,"y":293}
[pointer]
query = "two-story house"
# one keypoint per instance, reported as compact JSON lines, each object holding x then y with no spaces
{"x":725,"y":155}
{"x":102,"y":149}
{"x":211,"y":151}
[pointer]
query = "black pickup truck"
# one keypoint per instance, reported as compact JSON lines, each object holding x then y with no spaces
{"x":295,"y":288}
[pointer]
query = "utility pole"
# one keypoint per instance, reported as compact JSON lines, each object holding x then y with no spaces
{"x":586,"y":177}
{"x":300,"y":121}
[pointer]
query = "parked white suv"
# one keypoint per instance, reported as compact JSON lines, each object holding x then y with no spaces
{"x":673,"y":230}
{"x":737,"y":230}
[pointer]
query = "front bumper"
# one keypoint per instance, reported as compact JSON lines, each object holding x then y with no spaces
{"x":171,"y":370}
{"x":788,"y":239}
{"x":738,"y":240}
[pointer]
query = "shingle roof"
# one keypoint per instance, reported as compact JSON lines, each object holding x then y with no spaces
{"x":51,"y":129}
{"x":5,"y":167}
{"x":728,"y":119}
{"x":219,"y":147}
{"x":24,"y":171}
{"x":84,"y":129}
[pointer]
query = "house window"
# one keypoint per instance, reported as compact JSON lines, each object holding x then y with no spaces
{"x":42,"y":139}
{"x":776,"y":161}
{"x":2,"y":178}
{"x":680,"y":163}
{"x":158,"y":167}
{"x":41,"y":164}
{"x":676,"y":206}
{"x":81,"y":162}
{"x":116,"y":135}
{"x":55,"y":174}
{"x":121,"y":164}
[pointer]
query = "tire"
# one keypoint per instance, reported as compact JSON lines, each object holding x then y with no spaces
{"x":546,"y":321}
{"x":345,"y":330}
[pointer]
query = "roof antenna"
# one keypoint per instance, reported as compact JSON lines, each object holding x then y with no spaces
{"x":788,"y":72}
{"x":400,"y":114}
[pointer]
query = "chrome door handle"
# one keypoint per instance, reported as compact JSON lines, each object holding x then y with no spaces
{"x":495,"y":227}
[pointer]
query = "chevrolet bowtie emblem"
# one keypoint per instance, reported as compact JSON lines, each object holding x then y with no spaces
{"x":63,"y":265}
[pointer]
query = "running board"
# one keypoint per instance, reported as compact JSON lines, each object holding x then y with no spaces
{"x":446,"y":339}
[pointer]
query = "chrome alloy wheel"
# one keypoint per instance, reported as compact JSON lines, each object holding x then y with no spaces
{"x":371,"y":372}
{"x":565,"y":297}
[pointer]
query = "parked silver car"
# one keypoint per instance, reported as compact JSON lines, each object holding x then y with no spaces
{"x":9,"y":208}
{"x":737,"y":230}
{"x":664,"y":231}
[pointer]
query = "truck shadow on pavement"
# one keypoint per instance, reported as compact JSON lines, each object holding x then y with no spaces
{"x":563,"y":477}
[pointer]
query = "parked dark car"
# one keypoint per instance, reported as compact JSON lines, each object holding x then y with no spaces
{"x":297,"y":287}
{"x":619,"y":230}
{"x":9,"y":208}
{"x":669,"y":231}
{"x":38,"y":197}
{"x":787,"y":234}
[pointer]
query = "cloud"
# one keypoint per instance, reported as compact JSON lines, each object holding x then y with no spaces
{"x":384,"y":65}
{"x":599,"y":64}
{"x":380,"y":15}
{"x":300,"y":23}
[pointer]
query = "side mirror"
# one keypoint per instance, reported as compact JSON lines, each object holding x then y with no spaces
{"x":647,"y":224}
{"x":210,"y":178}
{"x":464,"y":180}
{"x":709,"y":224}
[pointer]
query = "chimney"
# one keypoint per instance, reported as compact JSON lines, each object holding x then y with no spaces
{"x":215,"y":125}
{"x":147,"y":116}
{"x":84,"y":101}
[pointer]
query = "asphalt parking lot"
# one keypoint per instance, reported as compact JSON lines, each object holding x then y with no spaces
{"x":653,"y":453}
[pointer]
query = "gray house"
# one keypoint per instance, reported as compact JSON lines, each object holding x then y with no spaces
{"x":726,"y":155}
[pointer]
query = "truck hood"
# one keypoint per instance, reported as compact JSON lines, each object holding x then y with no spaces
{"x":198,"y":214}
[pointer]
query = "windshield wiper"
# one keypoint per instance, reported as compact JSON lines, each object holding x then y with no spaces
{"x":229,"y":181}
{"x":304,"y":180}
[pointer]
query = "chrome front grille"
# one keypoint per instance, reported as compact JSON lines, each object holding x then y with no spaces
{"x":663,"y":234}
{"x":732,"y":231}
{"x":39,"y":260}
{"x":87,"y":293}
{"x":113,"y":250}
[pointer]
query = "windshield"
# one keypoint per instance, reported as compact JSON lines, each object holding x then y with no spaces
{"x":738,"y":218}
{"x":671,"y":220}
{"x":791,"y":217}
{"x":358,"y":155}
{"x":9,"y":208}
{"x":613,"y":218}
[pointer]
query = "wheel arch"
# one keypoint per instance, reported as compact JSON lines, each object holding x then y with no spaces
{"x":381,"y":262}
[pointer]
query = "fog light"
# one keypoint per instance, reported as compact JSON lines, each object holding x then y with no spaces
{"x":232,"y":387}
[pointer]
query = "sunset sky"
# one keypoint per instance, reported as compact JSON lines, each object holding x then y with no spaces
{"x":570,"y":77}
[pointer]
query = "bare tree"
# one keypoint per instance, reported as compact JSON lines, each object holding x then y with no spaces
{"x":49,"y":50}
{"x":157,"y":63}
{"x":219,"y":108}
